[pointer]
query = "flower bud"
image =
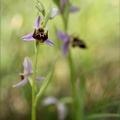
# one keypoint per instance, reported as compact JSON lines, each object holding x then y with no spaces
{"x":40,"y":7}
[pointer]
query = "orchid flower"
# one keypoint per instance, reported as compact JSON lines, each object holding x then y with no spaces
{"x":40,"y":34}
{"x":69,"y":40}
{"x":65,"y":38}
{"x":27,"y":72}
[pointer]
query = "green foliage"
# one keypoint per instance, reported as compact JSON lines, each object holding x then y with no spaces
{"x":44,"y":86}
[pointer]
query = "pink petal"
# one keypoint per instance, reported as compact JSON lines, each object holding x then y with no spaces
{"x":49,"y":42}
{"x":28,"y":68}
{"x":37,"y":22}
{"x":62,"y":36}
{"x":21,"y":83}
{"x":28,"y":37}
{"x":65,"y":48}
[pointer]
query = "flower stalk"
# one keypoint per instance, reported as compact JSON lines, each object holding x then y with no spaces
{"x":73,"y":86}
{"x":34,"y":84}
{"x":76,"y":104}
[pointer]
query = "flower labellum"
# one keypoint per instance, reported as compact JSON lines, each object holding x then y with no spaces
{"x":40,"y":35}
{"x":78,"y":42}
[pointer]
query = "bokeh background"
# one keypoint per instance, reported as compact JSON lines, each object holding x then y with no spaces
{"x":97,"y":23}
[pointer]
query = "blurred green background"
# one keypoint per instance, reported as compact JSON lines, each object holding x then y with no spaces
{"x":97,"y":23}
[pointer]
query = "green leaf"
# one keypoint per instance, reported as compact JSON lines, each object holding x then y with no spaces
{"x":40,"y":7}
{"x":44,"y":86}
{"x":47,"y":15}
{"x":101,"y":115}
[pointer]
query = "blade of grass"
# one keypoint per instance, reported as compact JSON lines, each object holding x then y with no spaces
{"x":101,"y":101}
{"x":118,"y":111}
{"x":81,"y":93}
{"x":102,"y":115}
{"x":44,"y":86}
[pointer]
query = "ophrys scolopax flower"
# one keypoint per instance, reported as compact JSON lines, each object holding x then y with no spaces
{"x":40,"y":34}
{"x":27,"y":72}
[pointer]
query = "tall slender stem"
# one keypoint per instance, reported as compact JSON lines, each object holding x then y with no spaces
{"x":73,"y":85}
{"x":34,"y":85}
{"x":76,"y":105}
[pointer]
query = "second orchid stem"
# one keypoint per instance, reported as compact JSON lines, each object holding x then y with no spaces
{"x":73,"y":85}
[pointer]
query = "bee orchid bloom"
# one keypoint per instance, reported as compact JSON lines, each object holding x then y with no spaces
{"x":65,"y":38}
{"x":40,"y":34}
{"x":27,"y":72}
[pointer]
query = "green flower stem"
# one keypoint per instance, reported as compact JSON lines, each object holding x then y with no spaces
{"x":65,"y":23}
{"x":77,"y":104}
{"x":72,"y":72}
{"x":73,"y":85}
{"x":31,"y":82}
{"x":34,"y":85}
